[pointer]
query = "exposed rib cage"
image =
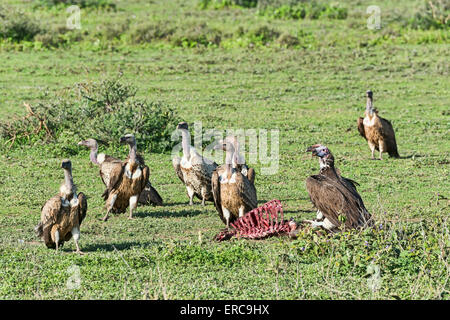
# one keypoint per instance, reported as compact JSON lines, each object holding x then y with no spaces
{"x":262,"y":222}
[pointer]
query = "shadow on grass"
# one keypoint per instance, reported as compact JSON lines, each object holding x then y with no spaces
{"x":113,"y":246}
{"x":170,"y":214}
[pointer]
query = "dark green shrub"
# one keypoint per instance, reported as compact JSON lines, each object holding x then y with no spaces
{"x":96,"y":4}
{"x":147,"y":32}
{"x":104,"y":110}
{"x":297,"y":10}
{"x":196,"y":35}
{"x":217,"y":4}
{"x":17,"y":26}
{"x":433,"y":15}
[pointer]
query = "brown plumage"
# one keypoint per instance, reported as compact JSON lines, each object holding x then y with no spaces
{"x":107,"y":164}
{"x":234,"y":194}
{"x":126,"y":182}
{"x":335,"y":197}
{"x":61,"y":216}
{"x":377,"y":131}
{"x":194,"y":170}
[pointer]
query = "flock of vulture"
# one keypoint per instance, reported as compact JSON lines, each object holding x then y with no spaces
{"x":230,"y":186}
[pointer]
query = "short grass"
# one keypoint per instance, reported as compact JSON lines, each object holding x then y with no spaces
{"x":312,"y":95}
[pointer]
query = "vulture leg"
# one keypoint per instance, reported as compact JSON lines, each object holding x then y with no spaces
{"x":190,"y":192}
{"x":372,"y":148}
{"x":76,"y":236}
{"x":133,"y":205}
{"x":226,"y":215}
{"x":110,"y":205}
{"x":57,"y":239}
{"x":203,"y":196}
{"x":380,"y":144}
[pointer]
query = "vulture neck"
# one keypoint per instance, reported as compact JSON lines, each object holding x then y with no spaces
{"x":132,"y":154}
{"x":185,"y":143}
{"x":229,"y":161}
{"x":68,"y":179}
{"x":93,"y":155}
{"x":327,"y":167}
{"x":369,"y":106}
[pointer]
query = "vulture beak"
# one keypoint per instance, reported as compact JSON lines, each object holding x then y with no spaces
{"x":82,"y":143}
{"x":313,"y":149}
{"x":123,"y":140}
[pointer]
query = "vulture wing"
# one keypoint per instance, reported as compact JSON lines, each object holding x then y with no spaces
{"x":389,"y":137}
{"x":49,"y":216}
{"x":247,"y":191}
{"x":334,"y":199}
{"x":215,"y":184}
{"x":361,"y":127}
{"x":112,"y":175}
{"x":176,"y":162}
{"x":150,"y":196}
{"x":251,"y":175}
{"x":82,"y":207}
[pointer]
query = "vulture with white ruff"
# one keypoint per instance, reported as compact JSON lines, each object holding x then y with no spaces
{"x":239,"y":160}
{"x":234,"y":194}
{"x":377,"y":131}
{"x":61,"y":216}
{"x":194,"y":170}
{"x":107,"y":163}
{"x":335,"y":197}
{"x":126,"y":182}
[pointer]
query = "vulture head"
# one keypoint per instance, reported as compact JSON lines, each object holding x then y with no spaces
{"x":369,"y":94}
{"x":128,"y":139}
{"x":183,"y":125}
{"x":66,"y":165}
{"x":89,"y":143}
{"x":326,"y":159}
{"x":228,"y":147}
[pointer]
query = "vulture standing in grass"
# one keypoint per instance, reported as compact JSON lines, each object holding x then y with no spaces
{"x":377,"y":131}
{"x":194,"y":170}
{"x":107,"y":163}
{"x":61,"y":216}
{"x":126,"y":182}
{"x":234,"y":194}
{"x":335,"y":197}
{"x":239,"y":160}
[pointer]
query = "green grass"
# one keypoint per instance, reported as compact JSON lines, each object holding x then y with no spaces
{"x":312,"y":94}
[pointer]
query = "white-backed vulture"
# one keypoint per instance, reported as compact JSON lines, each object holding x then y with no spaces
{"x":335,"y":197}
{"x":106,"y":164}
{"x":234,"y":194}
{"x":194,"y":170}
{"x":377,"y":131}
{"x":239,"y":160}
{"x":61,"y":216}
{"x":126,"y":181}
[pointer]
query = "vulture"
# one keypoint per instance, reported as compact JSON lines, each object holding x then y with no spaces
{"x":194,"y":170}
{"x":61,"y":216}
{"x":377,"y":131}
{"x":239,"y":160}
{"x":106,"y":164}
{"x":336,"y":198}
{"x":234,"y":194}
{"x":126,"y":181}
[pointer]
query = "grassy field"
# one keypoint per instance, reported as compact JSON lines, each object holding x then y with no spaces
{"x":311,"y":88}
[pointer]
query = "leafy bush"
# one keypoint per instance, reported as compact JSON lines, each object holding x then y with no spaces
{"x":301,"y":10}
{"x":97,"y":4}
{"x":434,"y":15}
{"x":196,"y":35}
{"x":217,"y":4}
{"x":17,"y":26}
{"x":148,"y":32}
{"x":105,"y":110}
